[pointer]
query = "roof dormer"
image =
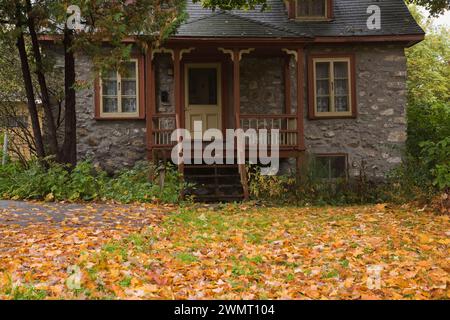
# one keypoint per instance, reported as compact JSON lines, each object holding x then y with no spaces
{"x":310,"y":10}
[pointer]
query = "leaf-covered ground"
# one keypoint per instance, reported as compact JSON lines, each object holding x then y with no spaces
{"x":225,"y":252}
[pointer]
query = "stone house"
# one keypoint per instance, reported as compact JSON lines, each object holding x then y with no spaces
{"x":322,"y":72}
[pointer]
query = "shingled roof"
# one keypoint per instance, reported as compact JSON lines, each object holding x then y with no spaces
{"x":350,"y":19}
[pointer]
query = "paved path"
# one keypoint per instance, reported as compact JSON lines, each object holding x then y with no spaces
{"x":24,"y":214}
{"x":45,"y":238}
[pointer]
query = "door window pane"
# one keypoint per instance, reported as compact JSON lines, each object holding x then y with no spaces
{"x":202,"y":86}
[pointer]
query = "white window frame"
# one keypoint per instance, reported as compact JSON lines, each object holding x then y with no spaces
{"x":324,"y":17}
{"x":119,"y":113}
{"x":333,"y":111}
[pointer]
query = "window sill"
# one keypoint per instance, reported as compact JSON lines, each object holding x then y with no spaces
{"x":103,"y":118}
{"x":313,"y":19}
{"x":332,"y":116}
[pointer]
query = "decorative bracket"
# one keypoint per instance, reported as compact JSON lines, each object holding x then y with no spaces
{"x":292,"y":52}
{"x":183,"y":51}
{"x":241,"y":52}
{"x":245,"y":51}
{"x":227,"y":51}
{"x":163,"y":50}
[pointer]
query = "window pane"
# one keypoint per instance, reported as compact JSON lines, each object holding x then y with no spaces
{"x":323,"y":70}
{"x":330,"y":167}
{"x":129,"y":87}
{"x":322,"y":167}
{"x":203,"y":86}
{"x":338,"y":166}
{"x":341,"y":70}
{"x":130,"y":70}
{"x":341,"y":104}
{"x":129,"y":105}
{"x":311,"y":8}
{"x":341,"y":88}
{"x":323,"y":104}
{"x":341,"y":96}
{"x":318,"y":9}
{"x":109,"y":88}
{"x":109,"y":105}
{"x":110,"y":74}
{"x":323,"y":87}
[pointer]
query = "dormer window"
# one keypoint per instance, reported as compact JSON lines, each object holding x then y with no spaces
{"x":313,"y":9}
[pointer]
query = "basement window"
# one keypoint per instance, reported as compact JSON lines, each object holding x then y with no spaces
{"x":330,"y":166}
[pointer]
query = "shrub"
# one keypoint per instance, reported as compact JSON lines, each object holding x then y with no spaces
{"x":311,"y":190}
{"x":270,"y":188}
{"x":86,"y":183}
{"x":436,"y":157}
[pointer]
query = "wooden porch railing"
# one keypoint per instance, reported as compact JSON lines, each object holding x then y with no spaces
{"x":286,"y":124}
{"x":288,"y":137}
{"x":163,"y":126}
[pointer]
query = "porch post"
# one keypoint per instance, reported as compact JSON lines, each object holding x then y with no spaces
{"x":177,"y":85}
{"x":177,"y":89}
{"x":287,"y":85}
{"x":149,"y":101}
{"x":300,"y":98}
{"x":237,"y":88}
{"x":237,"y":110}
{"x":300,"y":109}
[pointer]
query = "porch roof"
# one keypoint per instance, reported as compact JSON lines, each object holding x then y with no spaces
{"x":224,"y":24}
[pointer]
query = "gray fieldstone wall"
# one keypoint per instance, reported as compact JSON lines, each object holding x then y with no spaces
{"x":262,"y":85}
{"x":375,"y":137}
{"x":113,"y":145}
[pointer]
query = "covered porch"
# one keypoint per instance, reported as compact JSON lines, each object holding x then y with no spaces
{"x":221,"y":83}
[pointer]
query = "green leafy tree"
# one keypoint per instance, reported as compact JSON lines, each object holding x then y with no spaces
{"x":149,"y":21}
{"x":435,"y":7}
{"x":428,"y":111}
{"x":428,"y":64}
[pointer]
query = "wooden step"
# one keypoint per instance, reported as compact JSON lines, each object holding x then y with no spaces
{"x":214,"y":183}
{"x":223,"y":198}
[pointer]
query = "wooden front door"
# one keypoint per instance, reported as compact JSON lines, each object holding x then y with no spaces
{"x":203,"y":95}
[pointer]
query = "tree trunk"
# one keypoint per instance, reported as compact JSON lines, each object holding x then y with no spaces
{"x":49,"y":118}
{"x":69,"y":150}
{"x":28,"y":83}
